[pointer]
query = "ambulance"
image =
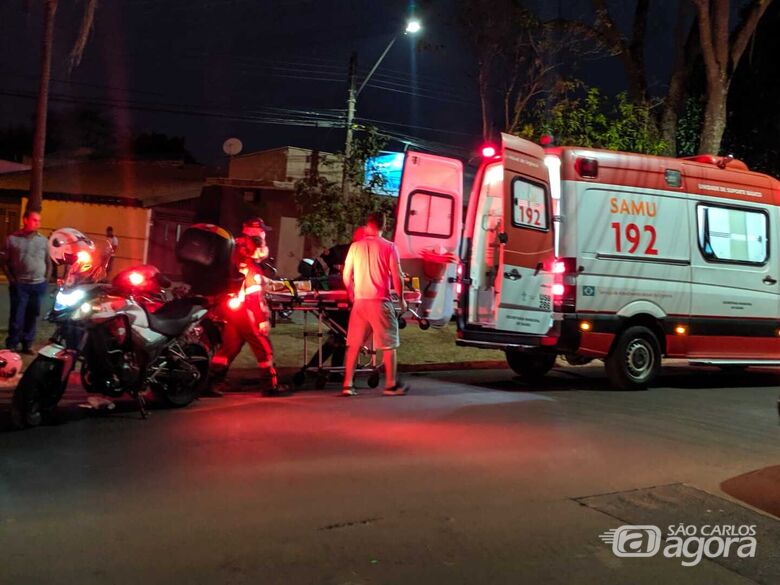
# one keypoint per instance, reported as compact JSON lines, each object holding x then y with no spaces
{"x":595,"y":254}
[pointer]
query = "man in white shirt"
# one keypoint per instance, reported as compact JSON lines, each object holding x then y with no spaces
{"x":371,"y":269}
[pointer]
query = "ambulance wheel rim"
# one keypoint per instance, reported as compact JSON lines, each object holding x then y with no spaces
{"x":640,"y":359}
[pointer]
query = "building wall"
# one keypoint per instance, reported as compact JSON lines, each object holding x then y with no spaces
{"x":284,"y":165}
{"x":229,"y":207}
{"x":269,"y":165}
{"x":130,"y":226}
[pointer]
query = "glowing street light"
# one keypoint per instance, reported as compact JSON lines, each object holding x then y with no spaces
{"x":413,"y":26}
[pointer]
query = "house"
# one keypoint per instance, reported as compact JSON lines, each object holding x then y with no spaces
{"x":147,"y":203}
{"x":263,"y":183}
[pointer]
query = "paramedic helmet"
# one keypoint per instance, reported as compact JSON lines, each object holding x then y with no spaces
{"x":69,"y":246}
{"x":10,"y":364}
{"x":255,"y":229}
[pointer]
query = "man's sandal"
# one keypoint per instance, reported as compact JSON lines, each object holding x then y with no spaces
{"x":400,"y":389}
{"x":349,"y":391}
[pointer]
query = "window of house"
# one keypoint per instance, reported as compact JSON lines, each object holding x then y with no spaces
{"x":430,"y":214}
{"x":529,"y":205}
{"x":729,"y":234}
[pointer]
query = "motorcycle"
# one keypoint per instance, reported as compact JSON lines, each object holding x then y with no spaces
{"x":122,"y":347}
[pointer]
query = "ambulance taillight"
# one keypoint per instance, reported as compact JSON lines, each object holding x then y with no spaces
{"x":564,"y":285}
{"x":587,"y":168}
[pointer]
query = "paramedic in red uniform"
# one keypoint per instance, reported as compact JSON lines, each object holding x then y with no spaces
{"x":247,"y":322}
{"x":372,"y":266}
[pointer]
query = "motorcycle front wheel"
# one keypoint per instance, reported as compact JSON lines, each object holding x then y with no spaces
{"x":38,"y":393}
{"x":181,"y":387}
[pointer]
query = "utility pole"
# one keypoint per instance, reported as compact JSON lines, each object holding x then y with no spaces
{"x":351,"y":103}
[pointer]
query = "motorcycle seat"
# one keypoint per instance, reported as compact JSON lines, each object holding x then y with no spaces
{"x":175,"y":316}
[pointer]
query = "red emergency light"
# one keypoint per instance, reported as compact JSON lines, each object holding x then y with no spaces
{"x":489,"y":151}
{"x":83,"y":257}
{"x":136,"y":278}
{"x":587,"y":168}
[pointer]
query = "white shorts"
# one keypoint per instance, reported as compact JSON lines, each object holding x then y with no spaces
{"x":373,"y":316}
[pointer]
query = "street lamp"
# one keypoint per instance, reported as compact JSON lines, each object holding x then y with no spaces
{"x":413,"y":27}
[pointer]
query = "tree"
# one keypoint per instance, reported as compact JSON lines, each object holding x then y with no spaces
{"x":630,"y":50}
{"x":721,"y":52}
{"x":324,"y":212}
{"x":47,"y":47}
{"x":518,"y":59}
{"x":596,"y":121}
{"x":754,"y":120}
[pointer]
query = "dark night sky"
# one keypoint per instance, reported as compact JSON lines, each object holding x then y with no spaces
{"x":258,"y":59}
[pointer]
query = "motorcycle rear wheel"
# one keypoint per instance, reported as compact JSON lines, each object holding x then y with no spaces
{"x":179,"y":393}
{"x":37,"y":394}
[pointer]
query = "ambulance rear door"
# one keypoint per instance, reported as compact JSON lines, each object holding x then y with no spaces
{"x":428,"y":229}
{"x":527,"y":252}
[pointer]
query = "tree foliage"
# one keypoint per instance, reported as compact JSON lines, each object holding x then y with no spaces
{"x":329,"y":216}
{"x":597,"y":121}
{"x":518,"y":59}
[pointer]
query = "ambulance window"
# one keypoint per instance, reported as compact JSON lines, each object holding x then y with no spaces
{"x":529,"y":205}
{"x":429,"y":214}
{"x":733,"y":235}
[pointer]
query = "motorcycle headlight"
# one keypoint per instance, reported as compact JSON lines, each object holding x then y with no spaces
{"x":66,"y":300}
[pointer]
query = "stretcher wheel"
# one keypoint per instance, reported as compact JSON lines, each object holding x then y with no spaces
{"x":401,"y":323}
{"x":299,"y":378}
{"x":373,"y":380}
{"x":425,"y":324}
{"x":320,"y":381}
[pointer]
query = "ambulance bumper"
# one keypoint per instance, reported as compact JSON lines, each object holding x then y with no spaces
{"x":471,"y":336}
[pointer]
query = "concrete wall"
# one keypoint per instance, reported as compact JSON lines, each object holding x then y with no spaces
{"x":269,"y":165}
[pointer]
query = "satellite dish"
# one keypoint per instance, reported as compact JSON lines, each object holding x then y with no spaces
{"x":232,"y":146}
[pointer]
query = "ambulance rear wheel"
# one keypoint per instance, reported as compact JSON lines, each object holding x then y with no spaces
{"x":635,"y":359}
{"x":530,"y":366}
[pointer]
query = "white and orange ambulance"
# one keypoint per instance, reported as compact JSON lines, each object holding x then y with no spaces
{"x":597,"y":254}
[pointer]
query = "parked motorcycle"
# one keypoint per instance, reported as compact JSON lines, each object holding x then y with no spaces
{"x":121,"y":345}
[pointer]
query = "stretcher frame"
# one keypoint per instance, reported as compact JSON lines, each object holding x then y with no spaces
{"x":323,"y":305}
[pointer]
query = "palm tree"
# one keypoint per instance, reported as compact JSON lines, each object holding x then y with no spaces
{"x":39,"y":138}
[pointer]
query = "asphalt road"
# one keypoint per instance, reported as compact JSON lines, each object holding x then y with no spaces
{"x":472,"y":478}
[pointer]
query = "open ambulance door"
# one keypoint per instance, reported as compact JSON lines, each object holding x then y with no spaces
{"x":428,"y":229}
{"x":527,"y":252}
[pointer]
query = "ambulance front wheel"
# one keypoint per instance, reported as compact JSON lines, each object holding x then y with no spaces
{"x":530,"y":366}
{"x":635,"y":359}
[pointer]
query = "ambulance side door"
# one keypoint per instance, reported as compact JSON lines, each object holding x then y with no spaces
{"x":528,"y":247}
{"x":429,"y":221}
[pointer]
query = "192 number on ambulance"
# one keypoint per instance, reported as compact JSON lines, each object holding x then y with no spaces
{"x":632,"y":236}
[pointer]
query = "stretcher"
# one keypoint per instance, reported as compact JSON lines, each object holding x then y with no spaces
{"x":330,"y":309}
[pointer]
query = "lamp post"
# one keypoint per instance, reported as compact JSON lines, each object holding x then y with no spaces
{"x":413,"y":26}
